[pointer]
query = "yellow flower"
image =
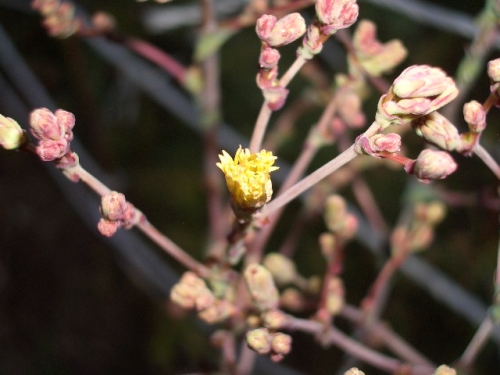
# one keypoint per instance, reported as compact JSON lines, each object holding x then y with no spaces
{"x":247,"y":176}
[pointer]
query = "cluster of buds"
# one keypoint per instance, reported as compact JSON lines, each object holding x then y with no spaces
{"x":338,"y":220}
{"x":59,"y":17}
{"x":264,"y":342}
{"x":333,"y":15}
{"x":418,"y":91}
{"x":248,"y":180}
{"x":116,"y":212}
{"x":191,"y":292}
{"x":419,"y":233}
{"x":12,"y":136}
{"x":375,"y":58}
{"x":54,"y":132}
{"x":275,"y":33}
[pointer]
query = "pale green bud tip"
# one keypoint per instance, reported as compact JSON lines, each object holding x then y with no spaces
{"x":354,"y":371}
{"x":261,"y":286}
{"x":259,"y":340}
{"x":445,"y":370}
{"x":11,"y":134}
{"x":277,"y":33}
{"x":281,"y":267}
{"x":494,"y":70}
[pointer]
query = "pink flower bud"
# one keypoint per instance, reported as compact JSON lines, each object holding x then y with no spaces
{"x":275,"y":96}
{"x":11,"y":134}
{"x":312,"y":43}
{"x":386,"y":142}
{"x":69,"y":160}
{"x":336,"y":14}
{"x":269,"y":57}
{"x":219,"y":311}
{"x":275,"y":319}
{"x":436,"y":129}
{"x":107,"y":228}
{"x":421,"y":81}
{"x":494,"y":70}
{"x":44,"y":125}
{"x":49,"y":150}
{"x":431,"y":165}
{"x":113,"y":206}
{"x":66,"y":121}
{"x":350,"y":109}
{"x":475,"y":116}
{"x":190,"y":292}
{"x":281,"y":343}
{"x":281,"y":32}
{"x":261,"y":286}
{"x":259,"y":340}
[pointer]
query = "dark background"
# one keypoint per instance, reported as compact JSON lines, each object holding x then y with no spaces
{"x":71,"y":304}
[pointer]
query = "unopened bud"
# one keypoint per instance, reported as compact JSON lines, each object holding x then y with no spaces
{"x":104,"y":22}
{"x":261,"y":286}
{"x":281,"y":267}
{"x":421,"y":238}
{"x":275,"y":319}
{"x":354,"y":371}
{"x":494,"y":70}
{"x":385,"y":142}
{"x":11,"y":134}
{"x":327,"y":243}
{"x":281,"y":343}
{"x":445,"y":370}
{"x":107,"y":228}
{"x":421,"y":81}
{"x":438,"y":130}
{"x":336,"y":14}
{"x":291,"y":299}
{"x":44,"y":125}
{"x":49,"y":150}
{"x":275,"y":96}
{"x":216,"y":312}
{"x":312,"y":43}
{"x":335,"y":212}
{"x":269,"y":57}
{"x":45,"y":7}
{"x":281,"y":32}
{"x":475,"y":116}
{"x":259,"y":340}
{"x":431,"y":165}
{"x":113,"y":206}
{"x":190,"y":292}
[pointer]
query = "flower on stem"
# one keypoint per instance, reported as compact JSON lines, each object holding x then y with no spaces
{"x":419,"y":90}
{"x":336,"y":14}
{"x":191,"y":292}
{"x":375,"y":57}
{"x":438,"y":130}
{"x":248,"y":177}
{"x":475,"y":116}
{"x":277,"y":33}
{"x":261,"y":286}
{"x":269,"y":57}
{"x":431,"y":165}
{"x":12,"y":136}
{"x":116,"y":212}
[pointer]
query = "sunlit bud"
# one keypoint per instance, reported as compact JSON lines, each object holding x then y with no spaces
{"x":218,"y":311}
{"x":11,"y":134}
{"x":445,"y":370}
{"x":107,"y":228}
{"x":291,"y":299}
{"x":281,"y":32}
{"x":475,"y":116}
{"x":312,"y":43}
{"x":335,"y":296}
{"x":431,"y":165}
{"x":335,"y":212}
{"x":336,"y":14}
{"x":438,"y":130}
{"x":259,"y":340}
{"x":281,"y":343}
{"x":49,"y":150}
{"x":104,"y":22}
{"x":281,"y":267}
{"x":376,"y":58}
{"x":113,"y":205}
{"x":275,"y":96}
{"x":327,"y":243}
{"x":269,"y":57}
{"x":261,"y":286}
{"x":494,"y":70}
{"x":275,"y":319}
{"x":45,"y":7}
{"x":354,"y":371}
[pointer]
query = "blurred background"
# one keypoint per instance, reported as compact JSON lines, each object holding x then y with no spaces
{"x":73,"y":303}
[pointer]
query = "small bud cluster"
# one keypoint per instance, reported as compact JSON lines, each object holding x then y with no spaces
{"x":59,"y":17}
{"x":275,"y":33}
{"x":264,"y":342}
{"x":191,"y":292}
{"x":375,"y":57}
{"x":54,"y":132}
{"x":116,"y":212}
{"x":11,"y":134}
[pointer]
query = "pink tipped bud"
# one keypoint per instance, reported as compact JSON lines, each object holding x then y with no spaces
{"x":421,"y":81}
{"x":269,"y":57}
{"x":336,"y":14}
{"x":281,"y":32}
{"x":436,"y":129}
{"x":494,"y":70}
{"x":66,"y":121}
{"x":68,"y":161}
{"x":312,"y":44}
{"x":432,"y":165}
{"x":292,"y":300}
{"x":189,"y":290}
{"x":49,"y":150}
{"x":259,"y":340}
{"x":327,"y":244}
{"x":275,"y":96}
{"x":44,"y":125}
{"x":107,"y":228}
{"x":475,"y":116}
{"x":261,"y":286}
{"x":281,"y":343}
{"x":113,"y":206}
{"x":350,"y":109}
{"x":11,"y":134}
{"x":281,"y":267}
